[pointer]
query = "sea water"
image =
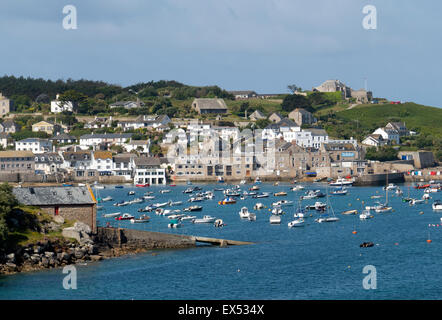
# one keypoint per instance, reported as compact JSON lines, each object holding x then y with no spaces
{"x":317,"y":261}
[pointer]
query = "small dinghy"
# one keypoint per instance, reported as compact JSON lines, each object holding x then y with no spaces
{"x":296,"y":223}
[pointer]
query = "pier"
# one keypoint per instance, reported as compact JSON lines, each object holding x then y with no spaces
{"x":221,"y":242}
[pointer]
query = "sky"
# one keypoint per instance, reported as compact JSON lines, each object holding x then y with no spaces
{"x":260,"y":45}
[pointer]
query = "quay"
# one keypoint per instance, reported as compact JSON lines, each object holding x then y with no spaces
{"x":132,"y":239}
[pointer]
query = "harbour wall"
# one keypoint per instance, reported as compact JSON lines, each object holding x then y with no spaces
{"x":379,"y":179}
{"x":139,"y":239}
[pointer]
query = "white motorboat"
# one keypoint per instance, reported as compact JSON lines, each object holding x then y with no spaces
{"x":437,"y":205}
{"x":327,"y":219}
{"x":296,"y":223}
{"x":297,"y":188}
{"x":383,"y":209}
{"x":252,"y":216}
{"x":138,"y":200}
{"x":258,"y":206}
{"x":142,"y":219}
{"x":365,"y":215}
{"x":204,"y":219}
{"x":176,"y":203}
{"x":262,"y":195}
{"x":275,"y":219}
{"x":426,"y":196}
{"x":160,"y":205}
{"x":176,"y":216}
{"x":187,"y":217}
{"x":350,"y":212}
{"x":277,"y":211}
{"x":431,"y":190}
{"x":318,"y":206}
{"x":110,"y":215}
{"x":109,"y":198}
{"x":122,"y":204}
{"x":125,"y":216}
{"x":341,"y":182}
{"x":149,"y":197}
{"x":165,"y":191}
{"x":282,"y":203}
{"x":340,"y":192}
{"x":131,"y":193}
{"x":244,"y":213}
{"x":416,"y":201}
{"x":218,"y":223}
{"x":391,"y":186}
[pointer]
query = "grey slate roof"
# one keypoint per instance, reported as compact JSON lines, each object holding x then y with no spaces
{"x":107,"y":136}
{"x":40,"y":196}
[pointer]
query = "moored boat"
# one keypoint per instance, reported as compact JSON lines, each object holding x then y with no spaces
{"x":125,"y":216}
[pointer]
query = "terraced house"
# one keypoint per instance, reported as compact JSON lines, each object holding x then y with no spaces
{"x":147,"y":170}
{"x":17,"y":161}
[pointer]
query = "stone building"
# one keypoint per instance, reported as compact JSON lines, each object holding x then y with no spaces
{"x":72,"y":203}
{"x":17,"y":161}
{"x":302,"y":117}
{"x":209,"y":105}
{"x":5,"y":105}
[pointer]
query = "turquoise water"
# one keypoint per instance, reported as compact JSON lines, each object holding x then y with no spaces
{"x":318,"y":261}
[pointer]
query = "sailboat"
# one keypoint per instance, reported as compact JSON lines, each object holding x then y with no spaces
{"x":382,"y":208}
{"x":324,"y":217}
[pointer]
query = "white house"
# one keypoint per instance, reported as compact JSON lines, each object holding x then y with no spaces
{"x":123,"y":165}
{"x":102,"y":162}
{"x":47,"y":163}
{"x":125,"y":104}
{"x":374,"y":140}
{"x":58,"y":106}
{"x":147,"y":170}
{"x":141,"y":146}
{"x":88,"y":140}
{"x":388,"y":134}
{"x":36,"y":145}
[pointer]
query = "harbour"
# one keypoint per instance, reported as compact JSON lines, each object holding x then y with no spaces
{"x":316,"y":261}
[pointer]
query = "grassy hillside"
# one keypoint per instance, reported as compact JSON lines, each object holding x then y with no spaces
{"x":423,"y":119}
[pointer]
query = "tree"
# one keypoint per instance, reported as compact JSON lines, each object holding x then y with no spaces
{"x":294,"y":101}
{"x":7,"y":203}
{"x":293,"y":88}
{"x":262,"y":123}
{"x":386,"y":153}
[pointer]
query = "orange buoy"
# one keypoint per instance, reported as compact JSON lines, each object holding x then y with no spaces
{"x":354,"y":232}
{"x":429,"y":240}
{"x":396,"y":244}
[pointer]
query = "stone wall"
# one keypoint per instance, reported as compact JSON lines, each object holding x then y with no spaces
{"x":83,"y":213}
{"x":139,"y":239}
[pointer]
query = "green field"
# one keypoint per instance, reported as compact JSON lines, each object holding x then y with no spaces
{"x":419,"y":118}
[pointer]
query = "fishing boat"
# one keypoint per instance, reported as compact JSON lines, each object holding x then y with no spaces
{"x":142,"y":219}
{"x":258,"y":206}
{"x":275,"y":219}
{"x":282,"y":203}
{"x":193,"y":208}
{"x":244,"y":213}
{"x":350,"y":212}
{"x":204,"y":219}
{"x":437,"y":205}
{"x":341,"y":182}
{"x":318,"y":206}
{"x":111,"y":215}
{"x":312,"y":194}
{"x":231,"y":193}
{"x":296,"y":223}
{"x":125,"y":216}
{"x":280,"y":194}
{"x":227,"y":201}
{"x":142,"y":185}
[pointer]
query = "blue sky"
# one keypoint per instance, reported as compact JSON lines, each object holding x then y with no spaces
{"x":260,"y":45}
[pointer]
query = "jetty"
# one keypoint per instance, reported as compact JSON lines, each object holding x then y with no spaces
{"x":221,"y":242}
{"x":140,"y":239}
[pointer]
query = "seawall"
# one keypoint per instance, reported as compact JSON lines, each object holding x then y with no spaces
{"x":131,"y":239}
{"x":379,"y":179}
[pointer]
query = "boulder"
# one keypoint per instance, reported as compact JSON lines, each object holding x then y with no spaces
{"x":49,"y":254}
{"x":11,"y":266}
{"x":45,"y":262}
{"x":96,"y":257}
{"x":82,"y":227}
{"x":59,"y":219}
{"x":79,"y":253}
{"x":71,"y":232}
{"x":35,"y":258}
{"x":10,"y":258}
